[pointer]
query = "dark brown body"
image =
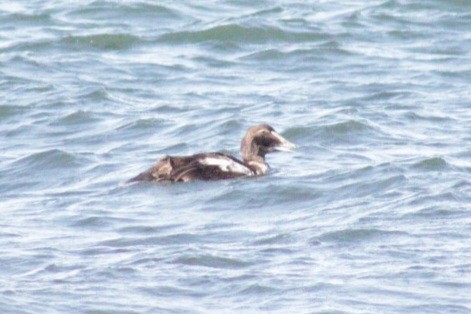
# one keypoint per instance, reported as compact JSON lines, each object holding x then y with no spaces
{"x":257,"y":142}
{"x":187,"y":168}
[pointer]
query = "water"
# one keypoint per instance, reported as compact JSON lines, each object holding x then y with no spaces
{"x":370,"y":215}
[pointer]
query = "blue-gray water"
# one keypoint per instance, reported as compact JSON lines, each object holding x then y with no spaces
{"x":370,"y":215}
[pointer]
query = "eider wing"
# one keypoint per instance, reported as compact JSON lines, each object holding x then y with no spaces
{"x":208,"y":166}
{"x":164,"y":169}
{"x":212,"y":166}
{"x":225,"y":162}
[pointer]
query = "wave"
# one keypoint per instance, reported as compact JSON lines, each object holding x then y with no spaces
{"x":8,"y":111}
{"x":48,"y":160}
{"x":144,"y":124}
{"x":346,"y":127}
{"x":240,"y":33}
{"x":357,"y":235}
{"x":124,"y":10}
{"x":347,"y":130}
{"x":433,"y":163}
{"x":102,"y":41}
{"x":322,"y":50}
{"x":27,"y":18}
{"x":75,"y":118}
{"x":212,"y":261}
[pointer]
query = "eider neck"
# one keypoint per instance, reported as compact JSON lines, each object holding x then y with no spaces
{"x":253,"y":156}
{"x":250,"y":150}
{"x":259,"y":167}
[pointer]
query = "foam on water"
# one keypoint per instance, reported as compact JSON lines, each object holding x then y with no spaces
{"x":369,"y":215}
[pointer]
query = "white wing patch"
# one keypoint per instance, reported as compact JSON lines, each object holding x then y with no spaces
{"x":226,"y":165}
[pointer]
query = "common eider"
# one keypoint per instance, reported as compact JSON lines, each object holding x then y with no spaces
{"x":257,"y":142}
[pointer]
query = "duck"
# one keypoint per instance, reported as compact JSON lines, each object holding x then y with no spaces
{"x":258,"y":141}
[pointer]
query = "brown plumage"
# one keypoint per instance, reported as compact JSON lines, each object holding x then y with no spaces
{"x":257,"y":142}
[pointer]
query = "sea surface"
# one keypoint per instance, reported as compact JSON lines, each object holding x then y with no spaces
{"x":371,"y":214}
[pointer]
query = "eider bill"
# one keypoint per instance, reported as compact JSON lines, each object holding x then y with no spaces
{"x":284,"y":145}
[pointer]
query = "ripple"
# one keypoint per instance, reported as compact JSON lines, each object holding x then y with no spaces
{"x":268,"y":195}
{"x":350,"y":236}
{"x":258,"y":289}
{"x":388,"y":95}
{"x":346,"y":127}
{"x":142,"y":229}
{"x":76,"y":118}
{"x":115,"y":10}
{"x":297,"y":132}
{"x":102,"y":41}
{"x":427,"y":117}
{"x":436,"y":307}
{"x":436,"y":212}
{"x":49,"y":159}
{"x":211,"y":261}
{"x":91,"y":222}
{"x":181,"y":238}
{"x":350,"y":131}
{"x":144,"y":124}
{"x":274,"y":239}
{"x":434,"y":163}
{"x":8,"y":111}
{"x":307,"y":55}
{"x":239,"y":33}
{"x":27,"y":18}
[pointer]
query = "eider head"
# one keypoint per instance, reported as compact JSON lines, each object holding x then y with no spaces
{"x":262,"y":139}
